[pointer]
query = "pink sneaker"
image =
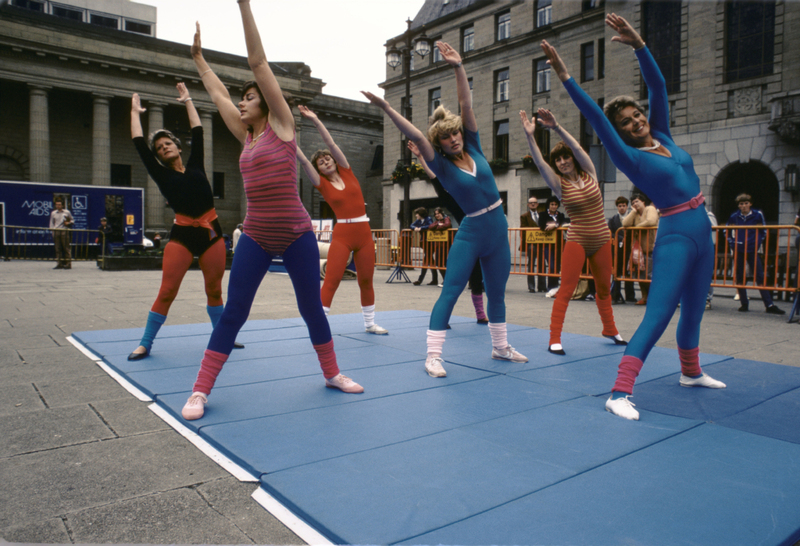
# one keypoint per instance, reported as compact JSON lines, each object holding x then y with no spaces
{"x":195,"y":406}
{"x":344,"y":384}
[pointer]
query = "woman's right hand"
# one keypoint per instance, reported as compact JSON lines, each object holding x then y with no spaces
{"x":627,"y":35}
{"x":413,"y":148}
{"x":136,"y":105}
{"x":197,"y":49}
{"x":306,"y":112}
{"x":547,"y":118}
{"x":555,"y":62}
{"x":449,"y":54}
{"x":377,"y":101}
{"x":528,"y":125}
{"x":183,"y":93}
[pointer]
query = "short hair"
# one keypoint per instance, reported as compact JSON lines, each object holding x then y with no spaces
{"x":318,"y":154}
{"x":641,"y":197}
{"x":743,"y":197}
{"x":562,"y":150}
{"x":440,"y":210}
{"x":155,"y":136}
{"x":240,"y":226}
{"x":422,"y":211}
{"x":104,"y":219}
{"x":443,"y":122}
{"x":617,"y":104}
{"x":553,"y":199}
{"x":620,"y":200}
{"x":58,"y":199}
{"x":251,"y":84}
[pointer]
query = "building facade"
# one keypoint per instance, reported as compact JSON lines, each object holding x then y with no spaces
{"x":65,"y":92}
{"x":732,"y":69}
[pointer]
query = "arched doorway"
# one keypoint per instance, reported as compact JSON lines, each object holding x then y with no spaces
{"x":13,"y":164}
{"x":753,"y":178}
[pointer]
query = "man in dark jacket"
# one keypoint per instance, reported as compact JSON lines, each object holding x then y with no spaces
{"x":530,"y":220}
{"x":614,"y":223}
{"x":549,"y":221}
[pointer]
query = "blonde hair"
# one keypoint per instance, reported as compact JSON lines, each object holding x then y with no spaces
{"x":442,"y":122}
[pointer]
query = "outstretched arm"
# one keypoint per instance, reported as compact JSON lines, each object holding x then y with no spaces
{"x":191,"y":111}
{"x":415,"y":150}
{"x":281,"y":118}
{"x":311,"y":172}
{"x":452,"y":58}
{"x":549,"y":120}
{"x":336,"y":152}
{"x":405,"y":126}
{"x":136,"y":111}
{"x":217,"y":91}
{"x":550,"y":177}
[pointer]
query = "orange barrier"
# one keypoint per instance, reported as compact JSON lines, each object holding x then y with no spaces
{"x":546,"y":246}
{"x":386,"y":245}
{"x":426,"y":249}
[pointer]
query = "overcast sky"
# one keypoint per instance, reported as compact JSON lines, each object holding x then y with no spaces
{"x":341,"y":40}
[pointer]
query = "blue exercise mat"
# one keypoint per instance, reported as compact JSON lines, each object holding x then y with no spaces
{"x":497,"y":452}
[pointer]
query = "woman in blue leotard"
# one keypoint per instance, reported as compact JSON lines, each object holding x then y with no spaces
{"x":453,"y":152}
{"x":683,"y":258}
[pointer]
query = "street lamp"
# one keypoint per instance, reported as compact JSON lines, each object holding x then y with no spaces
{"x":395,"y":57}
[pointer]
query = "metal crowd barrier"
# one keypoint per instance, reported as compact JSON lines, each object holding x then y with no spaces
{"x":36,"y":243}
{"x":426,"y":249}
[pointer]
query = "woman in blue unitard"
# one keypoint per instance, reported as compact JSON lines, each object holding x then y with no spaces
{"x":683,"y":258}
{"x":453,"y":152}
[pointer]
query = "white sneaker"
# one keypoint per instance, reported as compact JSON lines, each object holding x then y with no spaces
{"x":708,"y":306}
{"x":508,"y":354}
{"x":702,"y":381}
{"x":552,"y":293}
{"x":433,"y":365}
{"x":195,"y":406}
{"x":736,"y":297}
{"x":344,"y":384}
{"x":440,"y":285}
{"x":623,"y":408}
{"x":375,"y":329}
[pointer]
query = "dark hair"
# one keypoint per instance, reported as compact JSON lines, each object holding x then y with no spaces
{"x":104,"y":219}
{"x":317,"y":155}
{"x":641,"y":197}
{"x":621,"y":199}
{"x":58,"y":199}
{"x":743,"y":197}
{"x":616,"y":105}
{"x":553,"y":199}
{"x":422,"y":211}
{"x":440,"y":210}
{"x":155,"y":136}
{"x":262,"y":104}
{"x":562,"y":150}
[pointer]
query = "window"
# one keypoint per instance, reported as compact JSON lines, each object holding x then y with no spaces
{"x":436,"y":55}
{"x":544,"y":13}
{"x":542,"y":79}
{"x":29,"y":4}
{"x":219,"y":185}
{"x":139,"y":28}
{"x":103,"y":21}
{"x":467,"y":39}
{"x":588,"y":137}
{"x":434,"y":99}
{"x":587,"y":62}
{"x":470,"y":88}
{"x":120,"y":175}
{"x":501,"y":139}
{"x":66,"y":13}
{"x":601,"y":58}
{"x":504,"y":26}
{"x":750,"y":47}
{"x":501,"y":85}
{"x":542,"y":138}
{"x":587,"y":5}
{"x":661,"y":26}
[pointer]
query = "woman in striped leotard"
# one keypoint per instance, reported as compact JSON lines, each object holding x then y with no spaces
{"x":571,"y":175}
{"x":277,"y":224}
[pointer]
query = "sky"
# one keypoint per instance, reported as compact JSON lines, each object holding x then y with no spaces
{"x":341,"y":40}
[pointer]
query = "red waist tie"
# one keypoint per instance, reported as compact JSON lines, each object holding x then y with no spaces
{"x":204,"y":221}
{"x":692,"y":203}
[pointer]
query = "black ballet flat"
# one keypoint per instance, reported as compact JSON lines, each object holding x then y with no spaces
{"x":483,"y":321}
{"x":617,"y":341}
{"x":138,"y":356}
{"x":237,"y":345}
{"x":558,"y":352}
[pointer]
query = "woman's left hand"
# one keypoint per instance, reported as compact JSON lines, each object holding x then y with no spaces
{"x":306,"y":112}
{"x":555,"y":62}
{"x":546,"y":118}
{"x":449,"y":54}
{"x":627,"y":35}
{"x":196,"y":49}
{"x":182,"y":92}
{"x":377,"y":101}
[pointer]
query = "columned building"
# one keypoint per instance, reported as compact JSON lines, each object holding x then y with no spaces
{"x":65,"y":93}
{"x":732,"y":70}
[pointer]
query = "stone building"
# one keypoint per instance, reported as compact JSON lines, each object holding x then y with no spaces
{"x":65,"y":87}
{"x":733,"y":71}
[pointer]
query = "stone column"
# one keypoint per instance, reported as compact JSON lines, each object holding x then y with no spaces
{"x":39,"y":134}
{"x":207,"y":120}
{"x":101,"y":141}
{"x":155,"y":202}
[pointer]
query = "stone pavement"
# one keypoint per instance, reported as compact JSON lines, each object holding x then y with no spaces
{"x":85,"y":462}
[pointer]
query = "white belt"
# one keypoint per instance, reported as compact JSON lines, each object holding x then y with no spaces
{"x":354,"y":220}
{"x":487,"y":209}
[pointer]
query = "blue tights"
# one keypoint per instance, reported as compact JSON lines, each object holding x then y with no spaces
{"x":250,"y":264}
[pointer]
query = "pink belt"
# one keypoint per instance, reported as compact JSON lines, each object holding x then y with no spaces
{"x":692,"y":203}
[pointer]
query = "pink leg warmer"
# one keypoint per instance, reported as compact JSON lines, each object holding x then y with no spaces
{"x":436,"y":342}
{"x":690,"y":361}
{"x":499,"y":335}
{"x":477,"y":301}
{"x":629,"y":368}
{"x":327,"y":359}
{"x":210,"y":367}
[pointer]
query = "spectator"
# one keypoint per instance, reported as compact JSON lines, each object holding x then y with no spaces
{"x":104,"y":237}
{"x":642,"y":214}
{"x":421,"y":224}
{"x":441,"y":222}
{"x":614,"y":223}
{"x":236,"y":234}
{"x":550,"y":221}
{"x":529,"y":220}
{"x":745,"y":244}
{"x":60,"y":220}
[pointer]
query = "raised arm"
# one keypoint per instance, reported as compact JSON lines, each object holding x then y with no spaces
{"x":191,"y":111}
{"x":405,"y":126}
{"x":312,"y":173}
{"x":550,"y":177}
{"x":415,"y":150}
{"x":336,"y":152}
{"x":136,"y":112}
{"x":217,"y":91}
{"x":452,"y":58}
{"x":585,"y":162}
{"x":281,"y":118}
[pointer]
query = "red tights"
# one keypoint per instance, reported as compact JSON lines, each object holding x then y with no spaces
{"x":176,"y":262}
{"x":347,"y":238}
{"x":572,"y":261}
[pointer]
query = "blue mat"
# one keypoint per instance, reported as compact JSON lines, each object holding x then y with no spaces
{"x":496,"y":452}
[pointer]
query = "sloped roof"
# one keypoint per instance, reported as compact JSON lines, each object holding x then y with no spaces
{"x":436,"y":9}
